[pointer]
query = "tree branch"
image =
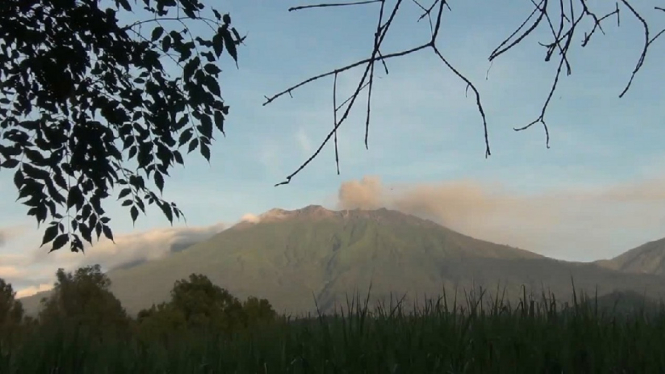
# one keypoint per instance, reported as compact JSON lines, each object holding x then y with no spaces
{"x":568,"y":22}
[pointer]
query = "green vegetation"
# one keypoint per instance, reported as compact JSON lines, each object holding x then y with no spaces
{"x":204,"y":329}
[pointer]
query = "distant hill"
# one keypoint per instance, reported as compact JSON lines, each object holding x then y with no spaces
{"x":295,"y":257}
{"x":648,"y":258}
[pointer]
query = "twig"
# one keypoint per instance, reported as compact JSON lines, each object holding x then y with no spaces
{"x":377,"y":39}
{"x":568,"y":22}
{"x":643,"y":55}
{"x":478,"y":104}
{"x":335,"y":122}
{"x":333,"y":5}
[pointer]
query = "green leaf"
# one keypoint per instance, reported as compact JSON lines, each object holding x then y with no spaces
{"x":190,"y":68}
{"x":157,"y":32}
{"x":209,"y":56}
{"x":49,"y":234}
{"x":85,"y":213}
{"x":86,"y":232}
{"x":206,"y":126}
{"x":159,"y":181}
{"x":219,"y":121}
{"x":75,"y":197}
{"x":124,"y":192}
{"x":135,"y":213}
{"x":192,"y":145}
{"x":9,"y":163}
{"x":108,"y":233}
{"x":230,"y":45}
{"x":212,"y":85}
{"x":34,"y":173}
{"x":186,"y":53}
{"x":184,"y":137}
{"x":125,"y":4}
{"x":132,"y":152}
{"x":178,"y":158}
{"x":166,"y":209}
{"x":218,"y":43}
{"x":19,"y":180}
{"x":59,"y":242}
{"x":205,"y":152}
{"x":166,"y":43}
{"x":212,"y":69}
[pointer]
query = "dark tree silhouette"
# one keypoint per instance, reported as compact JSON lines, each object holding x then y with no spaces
{"x":199,"y":305}
{"x":11,"y":310}
{"x":82,"y":297}
{"x":85,"y":99}
{"x":568,"y":21}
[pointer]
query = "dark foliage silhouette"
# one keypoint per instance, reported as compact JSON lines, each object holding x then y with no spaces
{"x":85,"y":99}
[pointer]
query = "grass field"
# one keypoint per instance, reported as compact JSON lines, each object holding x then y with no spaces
{"x":471,"y":335}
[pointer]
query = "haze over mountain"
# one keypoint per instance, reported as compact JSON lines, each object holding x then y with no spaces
{"x":648,"y":258}
{"x":295,"y":257}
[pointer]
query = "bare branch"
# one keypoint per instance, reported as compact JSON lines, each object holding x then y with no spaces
{"x":377,"y":39}
{"x":499,"y":50}
{"x":340,"y":70}
{"x":335,"y":122}
{"x":480,"y":106}
{"x":643,"y":55}
{"x":334,"y":5}
{"x":567,"y":26}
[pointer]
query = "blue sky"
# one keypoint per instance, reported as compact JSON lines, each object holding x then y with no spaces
{"x":595,"y":193}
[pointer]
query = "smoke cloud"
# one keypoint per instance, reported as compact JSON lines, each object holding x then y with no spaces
{"x":366,"y":193}
{"x":580,"y":223}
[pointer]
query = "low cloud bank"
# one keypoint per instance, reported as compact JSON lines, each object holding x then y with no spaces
{"x":34,"y":271}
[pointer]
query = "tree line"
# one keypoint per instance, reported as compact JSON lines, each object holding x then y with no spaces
{"x":81,"y":302}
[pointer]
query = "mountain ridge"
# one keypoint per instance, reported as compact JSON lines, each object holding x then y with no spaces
{"x":648,"y":258}
{"x":295,"y":257}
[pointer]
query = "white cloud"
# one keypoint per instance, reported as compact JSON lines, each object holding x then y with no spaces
{"x":7,"y":272}
{"x":34,"y":269}
{"x":251,"y":218}
{"x":29,"y":291}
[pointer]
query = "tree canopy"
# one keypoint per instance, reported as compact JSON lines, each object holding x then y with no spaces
{"x":84,"y":97}
{"x":87,"y":106}
{"x":83,"y":297}
{"x":199,"y":305}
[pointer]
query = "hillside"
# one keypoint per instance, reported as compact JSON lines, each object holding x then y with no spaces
{"x":292,"y":257}
{"x":648,"y":258}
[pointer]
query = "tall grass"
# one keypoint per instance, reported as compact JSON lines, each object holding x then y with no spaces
{"x":475,"y":333}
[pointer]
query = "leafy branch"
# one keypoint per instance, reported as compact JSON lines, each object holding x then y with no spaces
{"x":81,"y":96}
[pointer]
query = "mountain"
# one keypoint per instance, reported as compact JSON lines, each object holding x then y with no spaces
{"x":295,"y":257}
{"x":648,"y":258}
